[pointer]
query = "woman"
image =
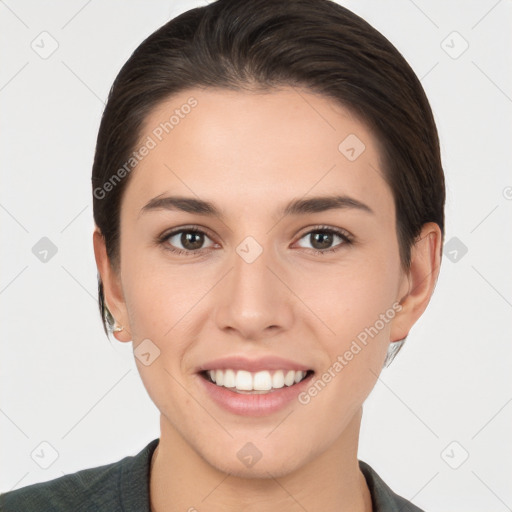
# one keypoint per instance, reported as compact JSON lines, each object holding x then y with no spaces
{"x":268,"y":198}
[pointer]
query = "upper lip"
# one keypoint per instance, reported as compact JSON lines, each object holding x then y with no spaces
{"x":252,"y":365}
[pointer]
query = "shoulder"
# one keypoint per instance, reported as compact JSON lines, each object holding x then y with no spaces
{"x":121,"y":485}
{"x":76,"y":491}
{"x":383,"y":498}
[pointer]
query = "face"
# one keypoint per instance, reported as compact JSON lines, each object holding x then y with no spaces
{"x":264,"y":283}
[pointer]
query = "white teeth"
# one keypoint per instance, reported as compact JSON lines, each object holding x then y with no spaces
{"x":229,"y":378}
{"x":289,"y":378}
{"x":278,"y":379}
{"x":243,"y":380}
{"x":262,"y":381}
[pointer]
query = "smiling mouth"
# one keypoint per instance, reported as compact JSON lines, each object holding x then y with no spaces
{"x":262,"y":382}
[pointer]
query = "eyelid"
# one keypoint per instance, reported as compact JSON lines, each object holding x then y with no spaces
{"x":194,"y":228}
{"x":345,"y":235}
{"x":191,"y":227}
{"x":206,"y":231}
{"x":323,"y":227}
{"x":347,"y":239}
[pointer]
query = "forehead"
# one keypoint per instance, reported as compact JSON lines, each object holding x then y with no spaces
{"x":249,"y":149}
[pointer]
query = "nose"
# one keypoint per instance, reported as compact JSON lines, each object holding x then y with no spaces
{"x":254,"y":300}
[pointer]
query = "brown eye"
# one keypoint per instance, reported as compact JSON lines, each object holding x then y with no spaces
{"x":191,"y":240}
{"x":322,"y":239}
{"x":185,"y":241}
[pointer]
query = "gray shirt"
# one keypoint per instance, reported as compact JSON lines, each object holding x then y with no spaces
{"x":123,"y":486}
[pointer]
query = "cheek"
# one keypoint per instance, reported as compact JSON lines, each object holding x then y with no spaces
{"x":352,"y":296}
{"x":162,"y":298}
{"x":356,"y":304}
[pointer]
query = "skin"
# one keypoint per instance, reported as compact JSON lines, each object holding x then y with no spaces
{"x":250,"y":154}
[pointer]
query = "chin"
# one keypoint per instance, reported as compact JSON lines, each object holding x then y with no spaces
{"x":260,"y":470}
{"x":250,"y":462}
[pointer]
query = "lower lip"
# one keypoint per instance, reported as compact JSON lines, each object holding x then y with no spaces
{"x":257,"y":404}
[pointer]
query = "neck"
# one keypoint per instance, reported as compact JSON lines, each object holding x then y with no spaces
{"x":181,"y":480}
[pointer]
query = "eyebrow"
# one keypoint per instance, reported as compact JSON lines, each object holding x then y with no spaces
{"x":295,"y":207}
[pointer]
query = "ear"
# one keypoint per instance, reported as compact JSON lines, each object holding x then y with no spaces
{"x":419,"y":282}
{"x":112,"y":290}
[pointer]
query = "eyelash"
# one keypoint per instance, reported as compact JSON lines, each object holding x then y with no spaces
{"x":344,"y":235}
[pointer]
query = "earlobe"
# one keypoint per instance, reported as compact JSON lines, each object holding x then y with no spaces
{"x":421,"y":280}
{"x":112,"y":291}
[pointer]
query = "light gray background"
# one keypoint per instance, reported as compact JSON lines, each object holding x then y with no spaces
{"x":64,"y":383}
